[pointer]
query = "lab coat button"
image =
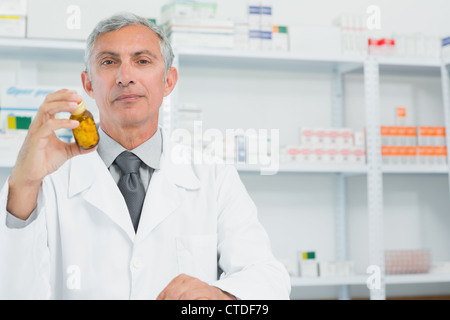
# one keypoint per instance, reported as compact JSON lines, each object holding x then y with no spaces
{"x":136,"y":263}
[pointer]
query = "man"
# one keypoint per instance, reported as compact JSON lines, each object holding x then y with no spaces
{"x":65,"y":225}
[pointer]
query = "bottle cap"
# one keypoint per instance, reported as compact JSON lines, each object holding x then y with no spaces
{"x":80,"y":109}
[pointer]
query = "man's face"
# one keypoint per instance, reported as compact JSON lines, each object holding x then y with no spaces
{"x":127,"y":77}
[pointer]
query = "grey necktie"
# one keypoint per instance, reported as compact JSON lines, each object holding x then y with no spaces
{"x":130,"y":184}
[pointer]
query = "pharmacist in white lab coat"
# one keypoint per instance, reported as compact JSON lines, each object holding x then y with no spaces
{"x":65,"y":230}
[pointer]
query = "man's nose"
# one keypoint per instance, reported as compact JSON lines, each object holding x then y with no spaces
{"x":124,"y":75}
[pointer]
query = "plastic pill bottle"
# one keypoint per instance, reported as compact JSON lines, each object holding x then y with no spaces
{"x":86,"y":134}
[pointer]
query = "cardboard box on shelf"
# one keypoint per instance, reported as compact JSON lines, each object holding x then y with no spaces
{"x":407,"y":261}
{"x":13,"y":7}
{"x":12,"y":26}
{"x":188,"y":10}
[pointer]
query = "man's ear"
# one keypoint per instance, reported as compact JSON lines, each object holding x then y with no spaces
{"x":171,"y":81}
{"x":87,"y":84}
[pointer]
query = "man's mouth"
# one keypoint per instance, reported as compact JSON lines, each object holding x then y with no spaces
{"x":129,"y":97}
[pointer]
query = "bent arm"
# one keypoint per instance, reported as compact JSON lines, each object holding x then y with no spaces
{"x":22,"y":198}
{"x":250,"y":271}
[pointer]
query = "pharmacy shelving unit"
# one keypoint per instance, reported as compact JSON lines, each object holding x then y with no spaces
{"x":371,"y":67}
{"x":73,"y":51}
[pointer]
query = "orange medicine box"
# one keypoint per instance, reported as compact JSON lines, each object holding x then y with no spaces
{"x":431,"y":136}
{"x":399,"y":154}
{"x":398,"y":135}
{"x":436,"y":155}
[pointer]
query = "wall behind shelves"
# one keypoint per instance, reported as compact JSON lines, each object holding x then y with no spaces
{"x":258,"y":99}
{"x":421,"y":95}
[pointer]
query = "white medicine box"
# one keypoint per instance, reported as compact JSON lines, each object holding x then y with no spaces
{"x":12,"y":26}
{"x":13,"y":7}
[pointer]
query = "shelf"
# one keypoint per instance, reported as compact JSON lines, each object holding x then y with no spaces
{"x":362,"y":280}
{"x":303,"y":168}
{"x":329,"y":281}
{"x":347,"y":168}
{"x":73,"y":51}
{"x":266,"y":60}
{"x":417,"y":278}
{"x":415,"y":169}
{"x":43,"y":50}
{"x":307,"y":168}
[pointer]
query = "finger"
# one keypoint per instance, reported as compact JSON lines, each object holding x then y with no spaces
{"x":49,"y":110}
{"x":55,"y":124}
{"x":174,"y":289}
{"x":63,"y":94}
{"x":52,"y":108}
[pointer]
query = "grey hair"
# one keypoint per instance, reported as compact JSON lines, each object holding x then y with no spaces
{"x":124,"y":19}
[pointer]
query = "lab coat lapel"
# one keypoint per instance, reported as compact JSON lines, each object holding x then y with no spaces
{"x":165,"y":192}
{"x":90,"y":178}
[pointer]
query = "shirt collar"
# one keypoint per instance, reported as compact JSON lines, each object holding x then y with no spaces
{"x":149,"y":152}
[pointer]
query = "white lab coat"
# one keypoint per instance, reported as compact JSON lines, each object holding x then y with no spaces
{"x":197,"y":219}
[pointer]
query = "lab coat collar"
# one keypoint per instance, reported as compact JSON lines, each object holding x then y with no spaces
{"x":90,"y":177}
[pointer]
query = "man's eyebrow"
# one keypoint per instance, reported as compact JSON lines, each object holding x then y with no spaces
{"x":138,"y":53}
{"x":109,"y":53}
{"x":146,"y":52}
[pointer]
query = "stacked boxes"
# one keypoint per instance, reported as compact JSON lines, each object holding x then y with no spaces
{"x":407,"y":261}
{"x":260,"y":24}
{"x":308,"y":266}
{"x":383,"y":46}
{"x":354,"y":33}
{"x":13,"y":18}
{"x":327,"y":145}
{"x":258,"y":31}
{"x":192,"y":24}
{"x":398,"y":145}
{"x":189,"y":10}
{"x":336,"y":268}
{"x":431,"y":147}
{"x":241,"y":35}
{"x":410,"y":145}
{"x":311,"y":268}
{"x":280,"y":38}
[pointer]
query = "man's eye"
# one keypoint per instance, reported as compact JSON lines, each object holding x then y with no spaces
{"x":143,"y":61}
{"x":107,"y":62}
